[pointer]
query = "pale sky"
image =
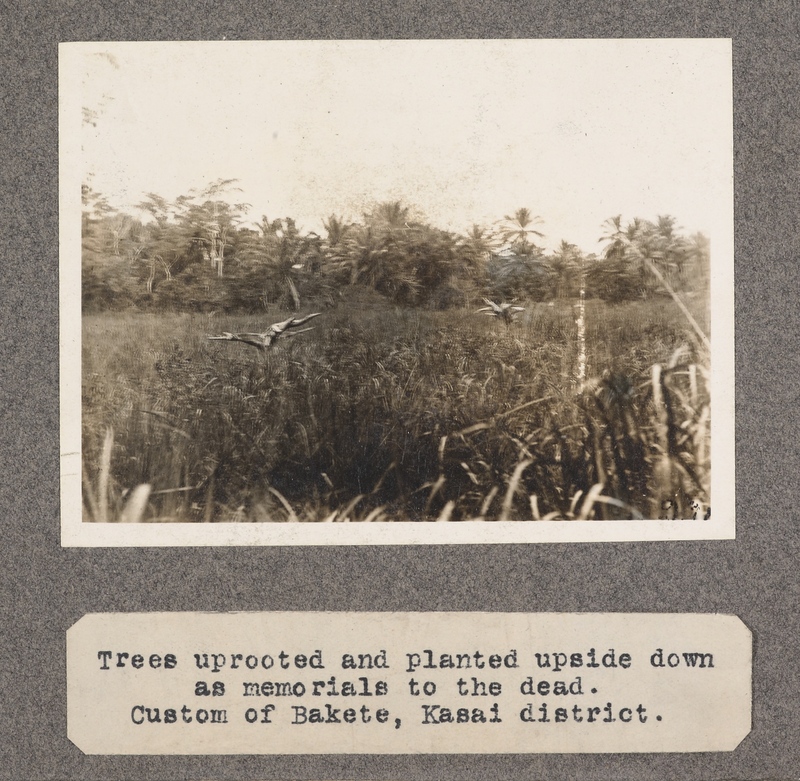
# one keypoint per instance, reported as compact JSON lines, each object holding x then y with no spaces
{"x":464,"y":131}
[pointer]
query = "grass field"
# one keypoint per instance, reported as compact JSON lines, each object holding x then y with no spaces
{"x":389,"y":414}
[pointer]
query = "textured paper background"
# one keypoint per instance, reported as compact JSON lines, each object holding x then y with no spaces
{"x":45,"y":589}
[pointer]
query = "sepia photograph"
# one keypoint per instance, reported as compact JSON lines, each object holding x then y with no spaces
{"x":342,"y":292}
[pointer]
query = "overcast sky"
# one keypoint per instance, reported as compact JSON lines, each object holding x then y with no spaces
{"x":465,"y":131}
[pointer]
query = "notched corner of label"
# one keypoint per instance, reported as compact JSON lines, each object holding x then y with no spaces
{"x":75,"y":741}
{"x":735,"y":630}
{"x":85,"y":620}
{"x":737,"y":620}
{"x":746,"y":731}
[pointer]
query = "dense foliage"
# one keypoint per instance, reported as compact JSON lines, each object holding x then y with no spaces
{"x":200,"y":252}
{"x":402,"y":403}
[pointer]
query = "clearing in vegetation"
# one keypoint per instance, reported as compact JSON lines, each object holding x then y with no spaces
{"x":395,"y":414}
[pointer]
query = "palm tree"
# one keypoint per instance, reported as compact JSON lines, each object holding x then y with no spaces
{"x":518,"y":230}
{"x":672,"y":248}
{"x":565,"y":263}
{"x":286,"y":255}
{"x":480,"y":242}
{"x":619,"y":276}
{"x":337,"y":230}
{"x":617,"y":240}
{"x":665,"y":225}
{"x":388,"y":216}
{"x":698,"y":255}
{"x":657,"y":244}
{"x":635,"y":229}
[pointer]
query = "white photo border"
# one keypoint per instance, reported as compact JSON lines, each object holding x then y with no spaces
{"x":77,"y":533}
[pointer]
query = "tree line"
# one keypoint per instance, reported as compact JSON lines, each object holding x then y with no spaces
{"x":201,"y":252}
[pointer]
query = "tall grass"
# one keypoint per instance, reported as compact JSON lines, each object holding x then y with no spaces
{"x":395,"y":414}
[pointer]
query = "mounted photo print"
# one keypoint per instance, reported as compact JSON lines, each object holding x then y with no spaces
{"x":396,"y":292}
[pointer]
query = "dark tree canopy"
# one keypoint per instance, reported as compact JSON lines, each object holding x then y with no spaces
{"x":200,"y":251}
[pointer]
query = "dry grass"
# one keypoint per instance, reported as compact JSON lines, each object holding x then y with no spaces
{"x":395,"y":415}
